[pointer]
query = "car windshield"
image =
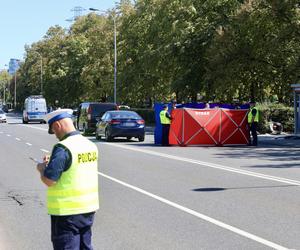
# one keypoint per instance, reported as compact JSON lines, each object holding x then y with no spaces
{"x":102,"y":108}
{"x":125,"y":115}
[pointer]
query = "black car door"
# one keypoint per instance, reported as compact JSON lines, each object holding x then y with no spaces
{"x":103,"y":123}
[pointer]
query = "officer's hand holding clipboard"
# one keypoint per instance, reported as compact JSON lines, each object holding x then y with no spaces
{"x":41,"y":165}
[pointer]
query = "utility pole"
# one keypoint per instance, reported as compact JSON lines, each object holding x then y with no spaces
{"x":41,"y":67}
{"x":77,"y":13}
{"x":15,"y":91}
{"x":4,"y":90}
{"x":41,"y":75}
{"x":115,"y":68}
{"x":14,"y":65}
{"x":115,"y":51}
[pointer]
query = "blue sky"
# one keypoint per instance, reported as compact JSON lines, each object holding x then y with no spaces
{"x":27,"y":21}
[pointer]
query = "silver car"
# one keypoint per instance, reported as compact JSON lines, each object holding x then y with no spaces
{"x":2,"y":116}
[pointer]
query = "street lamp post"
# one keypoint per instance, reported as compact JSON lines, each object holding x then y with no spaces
{"x":6,"y":82}
{"x":115,"y":66}
{"x":41,"y":74}
{"x":4,"y":91}
{"x":41,"y":67}
{"x":15,"y":91}
{"x":115,"y":52}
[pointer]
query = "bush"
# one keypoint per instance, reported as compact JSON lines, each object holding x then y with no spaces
{"x":270,"y":112}
{"x":147,"y":114}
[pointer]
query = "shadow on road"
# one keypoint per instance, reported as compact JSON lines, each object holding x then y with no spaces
{"x":281,"y":155}
{"x":286,"y":165}
{"x":20,"y":122}
{"x":214,"y":189}
{"x":131,"y":142}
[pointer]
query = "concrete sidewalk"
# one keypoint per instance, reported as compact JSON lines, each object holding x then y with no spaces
{"x":283,"y":140}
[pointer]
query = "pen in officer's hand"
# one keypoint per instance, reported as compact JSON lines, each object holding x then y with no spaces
{"x":35,"y":160}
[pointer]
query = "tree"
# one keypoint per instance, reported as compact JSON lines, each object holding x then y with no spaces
{"x":4,"y":82}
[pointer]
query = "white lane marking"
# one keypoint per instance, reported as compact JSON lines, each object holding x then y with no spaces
{"x":45,"y":150}
{"x":18,"y":139}
{"x":29,"y":126}
{"x":8,"y":135}
{"x":187,"y":210}
{"x":29,"y":144}
{"x":208,"y":164}
{"x":199,"y":215}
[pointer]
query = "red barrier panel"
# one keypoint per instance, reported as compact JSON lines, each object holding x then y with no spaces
{"x":215,"y":127}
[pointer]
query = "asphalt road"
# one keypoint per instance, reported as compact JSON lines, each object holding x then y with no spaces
{"x":159,"y":197}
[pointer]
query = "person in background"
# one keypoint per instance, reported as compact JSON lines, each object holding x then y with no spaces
{"x":71,"y":174}
{"x":165,"y":120}
{"x":173,"y":105}
{"x":253,"y":119}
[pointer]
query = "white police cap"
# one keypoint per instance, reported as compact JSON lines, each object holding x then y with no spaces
{"x":56,"y":116}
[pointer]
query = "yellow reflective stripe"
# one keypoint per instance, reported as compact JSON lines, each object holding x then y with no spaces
{"x":67,"y":193}
{"x":72,"y":211}
{"x":72,"y":204}
{"x":82,"y":198}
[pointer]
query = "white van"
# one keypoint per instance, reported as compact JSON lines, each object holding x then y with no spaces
{"x":35,"y":109}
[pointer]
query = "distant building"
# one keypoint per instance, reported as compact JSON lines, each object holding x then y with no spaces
{"x":14,"y":65}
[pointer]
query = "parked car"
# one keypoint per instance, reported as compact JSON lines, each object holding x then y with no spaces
{"x":2,"y":116}
{"x":74,"y":117}
{"x":89,"y":112}
{"x":121,"y":123}
{"x":5,"y":108}
{"x":124,"y":107}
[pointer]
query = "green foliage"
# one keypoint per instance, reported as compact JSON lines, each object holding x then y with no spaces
{"x":170,"y":49}
{"x":4,"y":84}
{"x":257,"y":54}
{"x":147,"y":114}
{"x":275,"y":113}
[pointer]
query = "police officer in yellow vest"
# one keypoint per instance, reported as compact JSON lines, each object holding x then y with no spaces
{"x":165,"y":120}
{"x":71,"y":174}
{"x":253,"y":118}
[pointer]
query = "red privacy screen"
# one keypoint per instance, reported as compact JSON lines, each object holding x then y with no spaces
{"x":215,"y":127}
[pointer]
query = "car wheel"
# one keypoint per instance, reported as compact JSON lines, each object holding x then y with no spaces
{"x":142,"y":138}
{"x":98,"y":137}
{"x":107,"y":136}
{"x":85,"y":131}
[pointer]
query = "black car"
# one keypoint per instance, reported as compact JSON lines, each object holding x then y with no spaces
{"x":121,"y":123}
{"x":89,"y":112}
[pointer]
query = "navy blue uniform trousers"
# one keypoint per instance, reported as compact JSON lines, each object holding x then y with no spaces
{"x":253,"y":129}
{"x":72,"y":232}
{"x":165,"y":134}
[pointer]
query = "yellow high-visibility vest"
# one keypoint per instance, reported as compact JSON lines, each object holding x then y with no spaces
{"x":250,"y":115}
{"x":163,"y":118}
{"x":76,"y":191}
